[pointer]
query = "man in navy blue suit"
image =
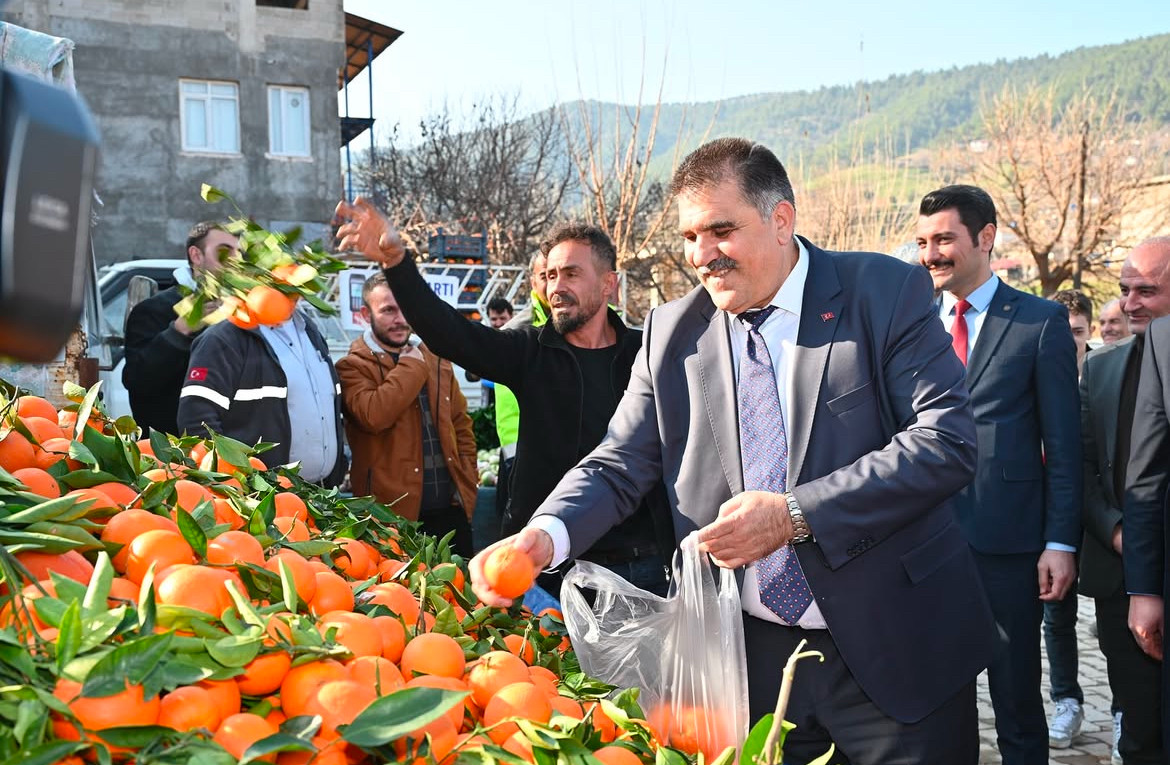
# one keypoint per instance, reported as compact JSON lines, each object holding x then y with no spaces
{"x":1021,"y":514}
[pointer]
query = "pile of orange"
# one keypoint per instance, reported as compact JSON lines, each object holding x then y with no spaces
{"x":362,"y":595}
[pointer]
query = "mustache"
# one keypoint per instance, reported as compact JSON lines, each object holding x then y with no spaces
{"x":721,"y":263}
{"x":940,"y":264}
{"x":561,"y":301}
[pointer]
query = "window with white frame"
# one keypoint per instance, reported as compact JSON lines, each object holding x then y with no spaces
{"x":210,"y":116}
{"x":288,"y":121}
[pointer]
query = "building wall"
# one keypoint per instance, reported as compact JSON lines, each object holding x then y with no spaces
{"x":128,"y":60}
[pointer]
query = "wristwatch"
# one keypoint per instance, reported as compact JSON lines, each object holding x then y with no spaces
{"x":800,"y":530}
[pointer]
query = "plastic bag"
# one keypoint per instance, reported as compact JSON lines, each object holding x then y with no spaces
{"x":685,"y":652}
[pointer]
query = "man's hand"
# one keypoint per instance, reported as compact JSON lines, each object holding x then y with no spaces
{"x":537,"y":543}
{"x":1117,"y":539}
{"x":1057,"y":570}
{"x":411,"y":352}
{"x":1145,"y":622}
{"x":367,"y":231}
{"x":750,"y":525}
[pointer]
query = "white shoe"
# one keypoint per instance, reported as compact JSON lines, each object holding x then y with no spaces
{"x":1065,"y":724}
{"x":1116,"y":758}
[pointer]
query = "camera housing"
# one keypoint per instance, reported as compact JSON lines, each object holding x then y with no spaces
{"x":48,"y":158}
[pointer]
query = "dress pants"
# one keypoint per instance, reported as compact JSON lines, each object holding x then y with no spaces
{"x":1136,"y":681}
{"x":1013,"y":589}
{"x":828,"y":706}
{"x":442,"y":521}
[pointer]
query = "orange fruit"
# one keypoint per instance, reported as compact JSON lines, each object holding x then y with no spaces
{"x":509,"y":571}
{"x":304,"y":579}
{"x":395,"y":597}
{"x":71,"y":564}
{"x":516,"y":700}
{"x":119,"y":493}
{"x":563,"y":705}
{"x":157,"y":547}
{"x":226,"y":695}
{"x":34,"y":406}
{"x":240,"y":731}
{"x":50,"y":453}
{"x":189,"y":494}
{"x":278,"y":628}
{"x":127,"y":707}
{"x":617,"y":755}
{"x":189,"y":707}
{"x":333,"y":594}
{"x":493,"y":671}
{"x":38,"y":481}
{"x":329,"y":752}
{"x":352,"y":559}
{"x":601,"y":721}
{"x":264,"y":674}
{"x":519,"y":745}
{"x":447,"y":684}
{"x":101,"y":505}
{"x":241,"y":316}
{"x":457,"y":579}
{"x":441,"y":735}
{"x":225,"y":512}
{"x":196,"y":587}
{"x":378,"y":673}
{"x":124,"y":527}
{"x":42,"y":429}
{"x":289,"y":505}
{"x":339,"y":702}
{"x":302,"y":682}
{"x":268,"y":305}
{"x":357,"y":632}
{"x":232,"y":547}
{"x":433,"y":653}
{"x":518,"y":646}
{"x":67,"y":419}
{"x":122,"y":589}
{"x":17,"y":452}
{"x":393,"y":637}
{"x":543,"y":683}
{"x":291,"y":529}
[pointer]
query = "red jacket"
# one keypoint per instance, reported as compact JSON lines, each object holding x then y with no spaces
{"x":383,"y":423}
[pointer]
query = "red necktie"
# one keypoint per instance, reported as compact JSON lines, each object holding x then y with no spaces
{"x":959,"y":331}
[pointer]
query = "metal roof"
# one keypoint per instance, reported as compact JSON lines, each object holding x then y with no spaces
{"x":364,"y":40}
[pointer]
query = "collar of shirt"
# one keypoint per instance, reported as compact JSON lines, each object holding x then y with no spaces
{"x":979,"y":298}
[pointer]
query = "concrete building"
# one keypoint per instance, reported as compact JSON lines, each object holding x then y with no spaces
{"x":241,"y":94}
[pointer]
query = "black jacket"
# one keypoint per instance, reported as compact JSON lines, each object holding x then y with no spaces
{"x":156,"y":361}
{"x":536,"y":363}
{"x":235,"y":386}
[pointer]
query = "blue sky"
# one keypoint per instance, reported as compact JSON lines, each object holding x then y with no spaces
{"x":456,"y":51}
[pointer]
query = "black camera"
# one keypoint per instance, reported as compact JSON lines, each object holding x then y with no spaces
{"x":48,"y":157}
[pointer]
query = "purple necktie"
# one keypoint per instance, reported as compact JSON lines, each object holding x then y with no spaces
{"x":763,"y":446}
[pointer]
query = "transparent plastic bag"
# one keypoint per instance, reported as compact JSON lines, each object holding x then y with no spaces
{"x":685,"y":652}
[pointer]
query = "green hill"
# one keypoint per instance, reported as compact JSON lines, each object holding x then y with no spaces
{"x":915,"y":110}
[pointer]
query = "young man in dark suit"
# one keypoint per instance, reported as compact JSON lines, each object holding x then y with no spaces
{"x":1021,"y":514}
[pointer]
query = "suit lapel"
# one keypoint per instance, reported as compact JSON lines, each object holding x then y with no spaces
{"x":1001,"y":312}
{"x":820,"y":315}
{"x":718,"y":381}
{"x":1107,"y":395}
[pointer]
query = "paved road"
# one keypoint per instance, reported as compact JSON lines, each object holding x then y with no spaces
{"x":1095,"y":743}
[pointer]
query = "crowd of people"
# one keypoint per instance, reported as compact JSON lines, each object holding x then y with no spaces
{"x":914,"y":468}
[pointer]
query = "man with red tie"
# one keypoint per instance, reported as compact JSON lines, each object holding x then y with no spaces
{"x":1021,"y":514}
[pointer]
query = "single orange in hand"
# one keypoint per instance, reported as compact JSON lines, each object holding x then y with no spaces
{"x":509,"y":571}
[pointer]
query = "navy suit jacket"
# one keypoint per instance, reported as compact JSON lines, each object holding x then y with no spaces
{"x":1022,"y":376}
{"x":881,"y":435}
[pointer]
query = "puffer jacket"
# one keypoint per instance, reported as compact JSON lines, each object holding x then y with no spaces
{"x":383,"y":422}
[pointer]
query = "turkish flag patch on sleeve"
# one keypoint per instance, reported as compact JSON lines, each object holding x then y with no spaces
{"x":197,"y":373}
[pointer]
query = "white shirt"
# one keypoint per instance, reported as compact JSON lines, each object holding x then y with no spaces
{"x":980,"y":299}
{"x":779,"y":332}
{"x":310,"y":393}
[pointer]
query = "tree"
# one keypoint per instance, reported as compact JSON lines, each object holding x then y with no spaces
{"x":493,"y":172}
{"x":1063,"y":176}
